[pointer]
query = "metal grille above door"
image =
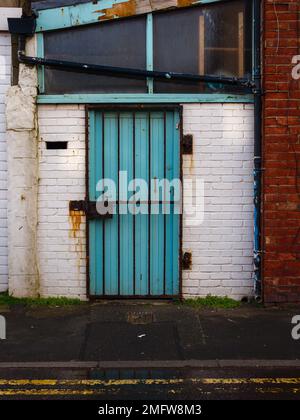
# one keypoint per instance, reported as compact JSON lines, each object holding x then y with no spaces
{"x":134,"y":255}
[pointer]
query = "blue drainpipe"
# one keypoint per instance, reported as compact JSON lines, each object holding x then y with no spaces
{"x":257,"y":148}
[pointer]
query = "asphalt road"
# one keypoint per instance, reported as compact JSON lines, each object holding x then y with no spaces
{"x":151,"y":384}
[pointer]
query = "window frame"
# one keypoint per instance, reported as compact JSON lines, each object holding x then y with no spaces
{"x":58,"y":19}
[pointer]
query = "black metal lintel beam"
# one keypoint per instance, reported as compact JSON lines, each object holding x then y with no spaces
{"x":131,"y":72}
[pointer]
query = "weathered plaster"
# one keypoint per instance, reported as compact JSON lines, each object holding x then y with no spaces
{"x":22,"y":183}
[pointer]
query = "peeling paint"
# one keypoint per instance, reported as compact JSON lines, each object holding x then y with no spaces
{"x":22,"y":142}
{"x":119,"y":11}
{"x":185,"y":3}
{"x":84,"y":14}
{"x":133,"y":7}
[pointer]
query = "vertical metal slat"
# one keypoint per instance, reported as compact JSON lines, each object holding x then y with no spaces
{"x":133,"y":168}
{"x":164,"y":196}
{"x":118,"y":205}
{"x":103,"y":223}
{"x":149,"y":209}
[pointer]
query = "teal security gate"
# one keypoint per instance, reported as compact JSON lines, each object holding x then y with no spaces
{"x":134,"y":255}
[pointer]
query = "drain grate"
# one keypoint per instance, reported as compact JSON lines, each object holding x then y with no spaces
{"x":140,"y":318}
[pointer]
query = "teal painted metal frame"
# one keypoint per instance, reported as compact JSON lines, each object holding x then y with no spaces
{"x":41,"y":69}
{"x":82,"y":14}
{"x":149,"y":51}
{"x":123,"y":98}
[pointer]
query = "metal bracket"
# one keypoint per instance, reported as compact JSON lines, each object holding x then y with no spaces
{"x":187,"y":144}
{"x":187,"y":261}
{"x":22,"y":26}
{"x":77,"y":205}
{"x":90,"y":209}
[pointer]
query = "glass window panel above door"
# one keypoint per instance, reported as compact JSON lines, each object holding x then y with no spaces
{"x":118,"y":43}
{"x":215,"y":40}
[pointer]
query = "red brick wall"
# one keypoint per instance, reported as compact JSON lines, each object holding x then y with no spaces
{"x":281,"y":152}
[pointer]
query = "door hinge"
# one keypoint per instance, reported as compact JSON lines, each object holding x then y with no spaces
{"x":187,"y":144}
{"x":187,"y":261}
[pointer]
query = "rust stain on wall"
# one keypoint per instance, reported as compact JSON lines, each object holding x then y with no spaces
{"x":191,"y":164}
{"x":75,"y":220}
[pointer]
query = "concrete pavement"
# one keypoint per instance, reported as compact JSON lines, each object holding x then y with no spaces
{"x":127,"y":332}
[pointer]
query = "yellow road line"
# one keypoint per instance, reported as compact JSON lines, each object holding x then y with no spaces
{"x":88,"y":382}
{"x":121,"y":382}
{"x":52,"y":391}
{"x":277,"y":390}
{"x":232,"y":381}
{"x":101,"y":391}
{"x":21,"y":387}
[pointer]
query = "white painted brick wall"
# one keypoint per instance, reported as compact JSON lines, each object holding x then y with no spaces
{"x":61,"y":244}
{"x":5,"y":70}
{"x":221,"y":246}
{"x":223,"y":157}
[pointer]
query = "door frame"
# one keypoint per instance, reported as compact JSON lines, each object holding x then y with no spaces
{"x":130,"y":107}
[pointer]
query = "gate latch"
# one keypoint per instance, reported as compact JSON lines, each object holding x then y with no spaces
{"x":90,"y":209}
{"x":187,"y":144}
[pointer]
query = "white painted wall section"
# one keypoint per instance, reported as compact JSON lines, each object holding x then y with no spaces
{"x":222,"y":246}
